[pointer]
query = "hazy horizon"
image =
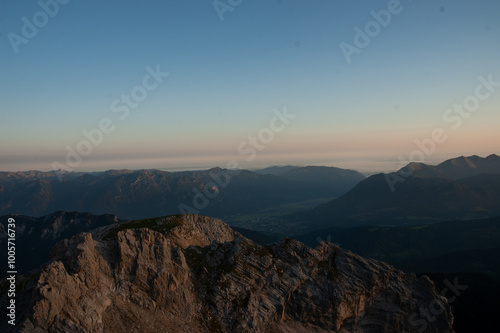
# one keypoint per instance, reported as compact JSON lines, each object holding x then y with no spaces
{"x":366,"y":167}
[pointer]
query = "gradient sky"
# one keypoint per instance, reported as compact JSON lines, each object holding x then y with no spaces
{"x":226,"y":77}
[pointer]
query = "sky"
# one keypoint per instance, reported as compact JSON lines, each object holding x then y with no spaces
{"x":367,"y":85}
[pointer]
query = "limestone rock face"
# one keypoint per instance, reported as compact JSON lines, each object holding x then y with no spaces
{"x":195,"y":274}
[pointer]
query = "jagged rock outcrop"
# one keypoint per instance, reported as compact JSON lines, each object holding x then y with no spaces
{"x":195,"y":274}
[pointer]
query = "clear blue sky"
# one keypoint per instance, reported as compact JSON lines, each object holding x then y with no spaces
{"x":226,"y":77}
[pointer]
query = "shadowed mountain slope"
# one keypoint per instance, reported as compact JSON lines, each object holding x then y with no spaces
{"x":392,"y":199}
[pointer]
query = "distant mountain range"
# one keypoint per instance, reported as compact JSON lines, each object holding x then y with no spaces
{"x":457,"y":168}
{"x":461,"y":188}
{"x":145,"y":193}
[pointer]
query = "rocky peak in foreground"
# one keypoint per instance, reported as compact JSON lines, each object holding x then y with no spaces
{"x":190,"y":273}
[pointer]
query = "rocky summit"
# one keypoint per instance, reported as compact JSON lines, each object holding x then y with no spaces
{"x":189,"y":273}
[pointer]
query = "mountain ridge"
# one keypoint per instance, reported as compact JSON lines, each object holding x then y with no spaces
{"x":456,"y":168}
{"x":192,"y":273}
{"x":143,"y":193}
